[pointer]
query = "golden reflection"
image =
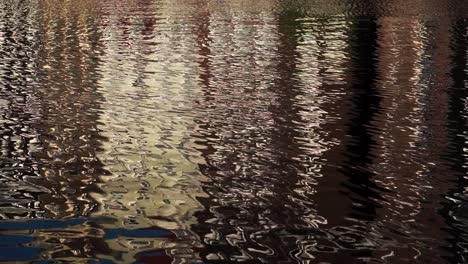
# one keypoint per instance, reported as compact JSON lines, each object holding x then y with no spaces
{"x":146,"y":116}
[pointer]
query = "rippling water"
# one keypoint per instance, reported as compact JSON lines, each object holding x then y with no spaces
{"x":202,"y":131}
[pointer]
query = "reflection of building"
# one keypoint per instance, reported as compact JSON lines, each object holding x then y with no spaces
{"x":402,"y":145}
{"x":152,"y":164}
{"x":52,"y":135}
{"x":270,"y":134}
{"x":148,"y":80}
{"x":66,"y":74}
{"x":377,"y":137}
{"x":233,"y":121}
{"x":50,"y":80}
{"x":19,"y":111}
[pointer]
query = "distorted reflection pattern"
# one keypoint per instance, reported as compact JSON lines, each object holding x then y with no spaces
{"x":205,"y":131}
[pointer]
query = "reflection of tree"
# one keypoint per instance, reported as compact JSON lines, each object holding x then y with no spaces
{"x":285,"y":112}
{"x":353,"y":154}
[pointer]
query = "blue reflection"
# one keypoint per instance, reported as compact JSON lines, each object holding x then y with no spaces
{"x":14,"y":239}
{"x":19,"y":253}
{"x":41,"y":224}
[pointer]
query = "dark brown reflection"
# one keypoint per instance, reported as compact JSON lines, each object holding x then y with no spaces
{"x":456,"y":155}
{"x":365,"y":102}
{"x":377,"y":177}
{"x":356,"y":195}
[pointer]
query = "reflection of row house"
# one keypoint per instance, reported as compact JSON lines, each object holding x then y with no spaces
{"x":148,"y":80}
{"x":149,"y":181}
{"x":412,"y":132}
{"x":18,"y":113}
{"x":66,"y":74}
{"x":387,"y":170}
{"x":403,"y":147}
{"x":270,"y":135}
{"x":298,"y":123}
{"x":49,"y":120}
{"x":238,"y":52}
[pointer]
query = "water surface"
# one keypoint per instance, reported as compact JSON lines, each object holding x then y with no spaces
{"x":202,"y":131}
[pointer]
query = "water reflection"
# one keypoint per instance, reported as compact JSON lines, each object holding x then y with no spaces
{"x":154,"y":182}
{"x":219,"y":132}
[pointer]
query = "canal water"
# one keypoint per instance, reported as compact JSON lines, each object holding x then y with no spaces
{"x":212,"y":131}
